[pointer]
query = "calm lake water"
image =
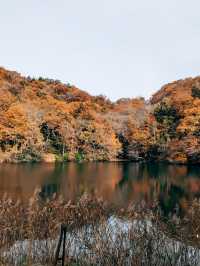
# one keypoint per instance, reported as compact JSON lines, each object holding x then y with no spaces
{"x":119,"y":183}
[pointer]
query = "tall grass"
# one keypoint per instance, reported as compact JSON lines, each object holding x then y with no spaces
{"x":97,"y":233}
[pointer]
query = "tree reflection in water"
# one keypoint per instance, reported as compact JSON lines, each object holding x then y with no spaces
{"x":120,"y":183}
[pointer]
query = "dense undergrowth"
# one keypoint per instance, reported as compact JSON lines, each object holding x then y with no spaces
{"x":97,"y":233}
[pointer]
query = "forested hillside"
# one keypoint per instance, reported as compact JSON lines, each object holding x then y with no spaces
{"x":45,"y":120}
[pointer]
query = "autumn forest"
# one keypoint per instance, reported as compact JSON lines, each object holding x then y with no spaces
{"x":45,"y":120}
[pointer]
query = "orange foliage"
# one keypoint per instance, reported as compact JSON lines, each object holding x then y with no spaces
{"x":77,"y":125}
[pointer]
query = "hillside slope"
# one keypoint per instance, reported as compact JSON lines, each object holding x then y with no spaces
{"x":45,"y":120}
{"x":177,"y":112}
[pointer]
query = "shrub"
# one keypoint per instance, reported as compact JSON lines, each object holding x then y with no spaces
{"x":195,"y":92}
{"x":62,"y":158}
{"x":79,"y":156}
{"x":153,"y":152}
{"x":165,"y":112}
{"x":40,"y":93}
{"x":52,"y":137}
{"x":30,"y":154}
{"x":167,"y":116}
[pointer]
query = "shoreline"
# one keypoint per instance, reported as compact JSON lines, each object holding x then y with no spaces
{"x":54,"y":161}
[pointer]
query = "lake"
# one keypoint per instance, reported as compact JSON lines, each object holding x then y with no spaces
{"x":120,"y":183}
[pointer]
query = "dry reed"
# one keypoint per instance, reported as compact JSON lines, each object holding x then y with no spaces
{"x":97,"y":233}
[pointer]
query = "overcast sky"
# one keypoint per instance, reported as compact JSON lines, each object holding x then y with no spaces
{"x":119,"y":48}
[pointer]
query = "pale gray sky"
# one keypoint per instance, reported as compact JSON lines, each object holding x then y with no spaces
{"x":119,"y":48}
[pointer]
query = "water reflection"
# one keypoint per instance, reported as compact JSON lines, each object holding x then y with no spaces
{"x":120,"y":183}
